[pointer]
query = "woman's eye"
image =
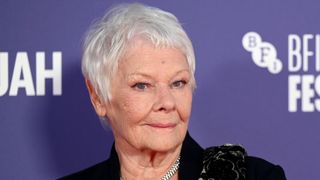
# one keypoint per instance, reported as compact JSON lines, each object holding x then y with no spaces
{"x":140,"y":86}
{"x":178,"y":84}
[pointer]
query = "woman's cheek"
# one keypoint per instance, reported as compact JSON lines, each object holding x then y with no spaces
{"x":184,"y":103}
{"x":136,"y":106}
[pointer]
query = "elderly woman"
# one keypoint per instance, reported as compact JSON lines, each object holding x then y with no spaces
{"x":139,"y":67}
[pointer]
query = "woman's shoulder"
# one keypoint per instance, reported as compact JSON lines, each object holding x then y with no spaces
{"x":108,"y":169}
{"x":258,"y":168}
{"x":102,"y":170}
{"x":94,"y":172}
{"x":232,"y":162}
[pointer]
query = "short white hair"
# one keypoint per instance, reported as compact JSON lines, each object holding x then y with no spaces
{"x":106,"y":41}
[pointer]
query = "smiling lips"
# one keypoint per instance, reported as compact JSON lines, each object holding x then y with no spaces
{"x":163,"y":125}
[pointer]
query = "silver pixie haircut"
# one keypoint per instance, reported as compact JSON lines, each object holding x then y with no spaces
{"x":107,"y":40}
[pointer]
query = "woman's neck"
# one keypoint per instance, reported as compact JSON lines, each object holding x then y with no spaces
{"x":145,"y":163}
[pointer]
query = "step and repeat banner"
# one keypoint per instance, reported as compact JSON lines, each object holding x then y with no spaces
{"x":257,"y":75}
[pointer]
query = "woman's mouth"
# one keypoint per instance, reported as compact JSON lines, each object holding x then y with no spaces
{"x":163,"y":125}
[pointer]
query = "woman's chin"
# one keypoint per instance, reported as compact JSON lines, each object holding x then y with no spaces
{"x":163,"y":143}
{"x":163,"y":147}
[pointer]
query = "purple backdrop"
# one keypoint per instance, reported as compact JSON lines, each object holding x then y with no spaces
{"x":45,"y":137}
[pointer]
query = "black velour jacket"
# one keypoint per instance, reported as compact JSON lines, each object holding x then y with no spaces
{"x":190,"y":166}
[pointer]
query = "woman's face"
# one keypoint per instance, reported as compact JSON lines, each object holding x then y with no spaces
{"x":151,"y":98}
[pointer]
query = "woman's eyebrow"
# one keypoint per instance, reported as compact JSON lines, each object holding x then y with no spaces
{"x":183,"y":70}
{"x":139,"y":74}
{"x":132,"y":75}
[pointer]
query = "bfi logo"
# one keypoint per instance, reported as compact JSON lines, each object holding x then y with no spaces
{"x":263,"y":54}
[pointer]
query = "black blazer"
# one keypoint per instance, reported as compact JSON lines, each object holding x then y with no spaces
{"x":190,"y":166}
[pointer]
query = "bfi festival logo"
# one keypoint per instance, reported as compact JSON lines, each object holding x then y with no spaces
{"x":303,"y":64}
{"x":22,"y":79}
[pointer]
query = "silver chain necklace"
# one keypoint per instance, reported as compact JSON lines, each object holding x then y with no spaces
{"x":174,"y":168}
{"x":172,"y":171}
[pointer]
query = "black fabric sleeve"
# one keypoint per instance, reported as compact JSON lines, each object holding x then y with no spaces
{"x":259,"y":169}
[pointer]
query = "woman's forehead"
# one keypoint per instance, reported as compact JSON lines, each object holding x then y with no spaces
{"x":149,"y":58}
{"x":140,"y":43}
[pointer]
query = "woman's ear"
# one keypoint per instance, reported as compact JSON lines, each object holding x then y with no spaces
{"x":96,"y":101}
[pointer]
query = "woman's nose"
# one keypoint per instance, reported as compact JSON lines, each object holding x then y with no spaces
{"x":164,"y":100}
